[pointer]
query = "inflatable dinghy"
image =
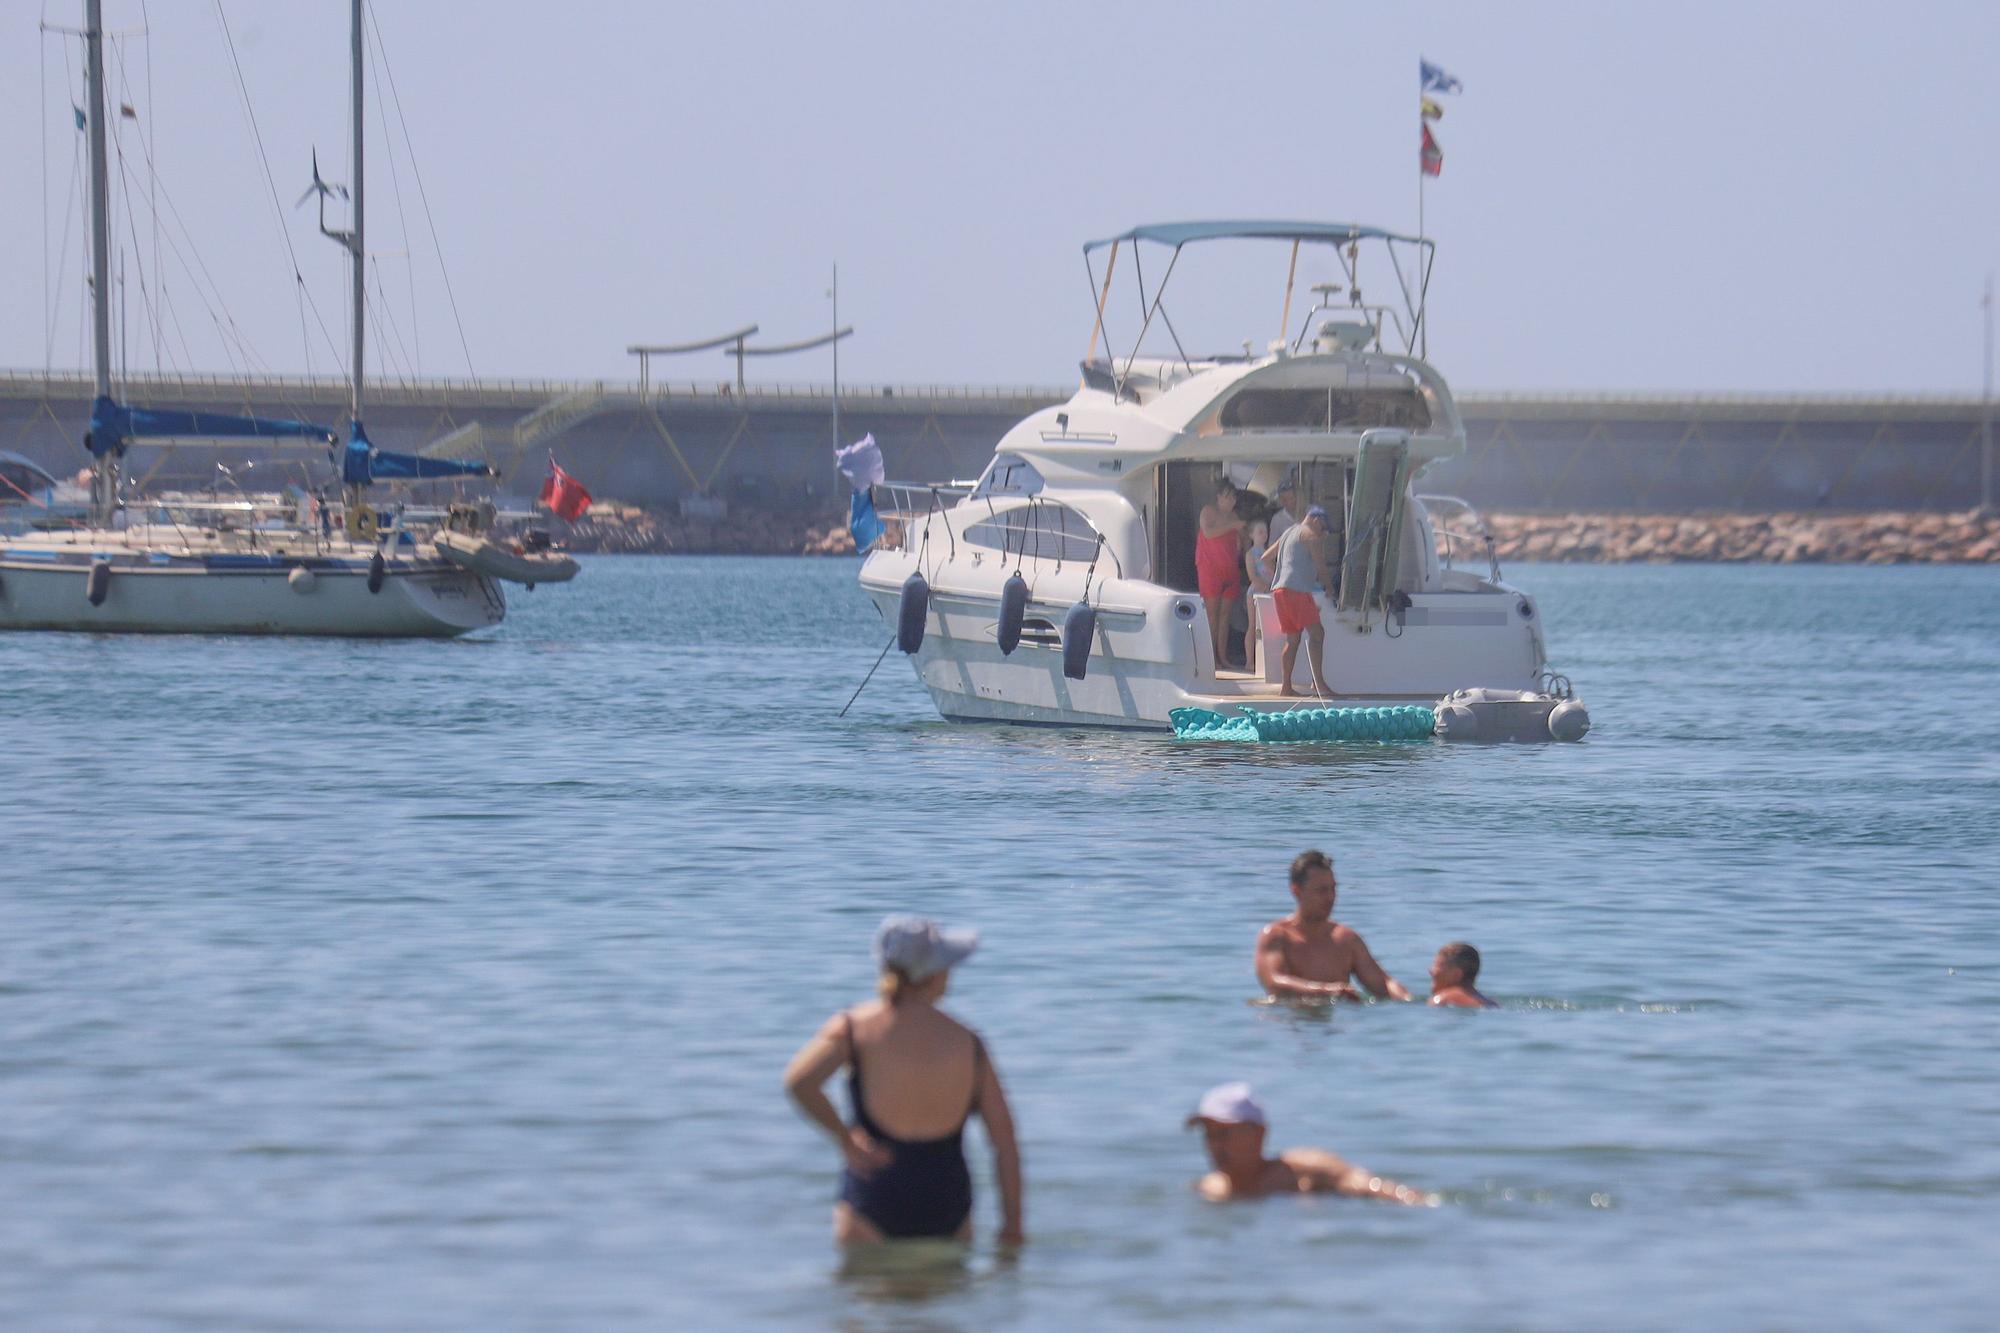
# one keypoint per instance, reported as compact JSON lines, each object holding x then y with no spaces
{"x":506,"y":561}
{"x":1512,"y":715}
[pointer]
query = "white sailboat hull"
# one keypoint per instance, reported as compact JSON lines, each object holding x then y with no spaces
{"x":427,"y":600}
{"x":225,"y":568}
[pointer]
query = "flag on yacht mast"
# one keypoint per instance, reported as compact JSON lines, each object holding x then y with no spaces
{"x":1431,"y":110}
{"x":1435,"y":80}
{"x":861,"y":464}
{"x":1431,"y":157}
{"x":563,"y":493}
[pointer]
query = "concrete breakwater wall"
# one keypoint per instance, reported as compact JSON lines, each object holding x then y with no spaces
{"x":1689,"y":453}
{"x":1813,"y":537}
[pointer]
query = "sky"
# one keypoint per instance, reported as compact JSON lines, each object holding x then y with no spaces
{"x":1686,"y":197}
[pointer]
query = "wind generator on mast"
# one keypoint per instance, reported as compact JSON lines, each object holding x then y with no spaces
{"x":360,"y":518}
{"x":361,"y":462}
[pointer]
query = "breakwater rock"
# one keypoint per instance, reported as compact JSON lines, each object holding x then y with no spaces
{"x":1813,"y":537}
{"x":622,"y":529}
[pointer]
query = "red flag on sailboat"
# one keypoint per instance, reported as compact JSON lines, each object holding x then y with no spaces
{"x":1431,"y":159}
{"x":564,"y":493}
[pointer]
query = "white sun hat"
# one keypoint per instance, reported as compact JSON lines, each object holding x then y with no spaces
{"x":920,"y":948}
{"x":1230,"y":1104}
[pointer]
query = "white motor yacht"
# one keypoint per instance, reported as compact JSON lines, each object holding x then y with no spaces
{"x":1095,"y":505}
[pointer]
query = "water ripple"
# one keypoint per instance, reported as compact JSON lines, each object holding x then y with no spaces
{"x":354,"y":985}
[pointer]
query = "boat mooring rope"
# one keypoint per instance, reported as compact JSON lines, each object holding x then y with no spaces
{"x":870,"y":676}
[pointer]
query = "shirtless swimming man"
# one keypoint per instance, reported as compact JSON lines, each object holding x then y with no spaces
{"x":1232,"y":1129}
{"x":1309,"y":955}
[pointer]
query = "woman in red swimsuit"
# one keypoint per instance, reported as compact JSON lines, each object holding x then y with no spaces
{"x":1218,"y":565}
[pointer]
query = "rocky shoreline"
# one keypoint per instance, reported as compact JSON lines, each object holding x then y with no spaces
{"x":1814,"y":537}
{"x":611,"y":528}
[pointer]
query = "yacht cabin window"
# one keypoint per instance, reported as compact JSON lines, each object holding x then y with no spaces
{"x":1326,"y":409}
{"x":1043,"y":530}
{"x":1008,"y":474}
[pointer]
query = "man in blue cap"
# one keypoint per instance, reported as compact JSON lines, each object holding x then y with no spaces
{"x":1301,"y":557}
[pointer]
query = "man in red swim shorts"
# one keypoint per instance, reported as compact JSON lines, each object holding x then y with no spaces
{"x":1218,"y":565}
{"x":1301,"y":559}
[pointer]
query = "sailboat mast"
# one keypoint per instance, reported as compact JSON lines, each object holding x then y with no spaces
{"x":357,"y":245}
{"x":104,"y":465}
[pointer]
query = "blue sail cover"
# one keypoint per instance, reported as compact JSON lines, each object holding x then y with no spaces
{"x":113,"y":424}
{"x":362,"y":463}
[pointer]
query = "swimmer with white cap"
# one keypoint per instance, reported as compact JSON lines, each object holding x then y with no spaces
{"x":1232,"y":1126}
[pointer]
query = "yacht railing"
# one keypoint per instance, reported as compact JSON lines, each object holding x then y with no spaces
{"x":915,"y":499}
{"x":903,"y":504}
{"x":1454,"y":508}
{"x":1383,"y":315}
{"x":913,"y":502}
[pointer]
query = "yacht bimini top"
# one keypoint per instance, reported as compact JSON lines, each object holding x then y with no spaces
{"x":1362,"y":323}
{"x":1178,"y":234}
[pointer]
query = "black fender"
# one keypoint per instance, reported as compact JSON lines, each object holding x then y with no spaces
{"x":911,"y":613}
{"x":1013,"y":611}
{"x":1079,"y":629}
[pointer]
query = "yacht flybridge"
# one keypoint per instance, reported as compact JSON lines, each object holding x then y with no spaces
{"x":1095,"y":504}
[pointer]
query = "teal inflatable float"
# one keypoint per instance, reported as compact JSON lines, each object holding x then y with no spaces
{"x":1405,"y":722}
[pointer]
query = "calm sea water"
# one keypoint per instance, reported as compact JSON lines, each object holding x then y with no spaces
{"x":447,"y":986}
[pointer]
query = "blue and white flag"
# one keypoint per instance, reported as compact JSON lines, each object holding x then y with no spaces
{"x":863,"y":523}
{"x":861,"y":464}
{"x":1435,"y":80}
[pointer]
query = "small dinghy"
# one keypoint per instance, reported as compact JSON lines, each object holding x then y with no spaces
{"x":514,"y":562}
{"x":1550,"y":714}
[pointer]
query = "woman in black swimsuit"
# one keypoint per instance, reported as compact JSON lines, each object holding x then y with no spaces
{"x":916,"y":1075}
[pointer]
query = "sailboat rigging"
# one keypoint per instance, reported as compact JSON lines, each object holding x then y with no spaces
{"x":175,"y":567}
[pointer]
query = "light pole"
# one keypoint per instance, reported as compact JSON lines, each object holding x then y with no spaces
{"x":647,"y":353}
{"x":1986,"y":407}
{"x":834,"y":293}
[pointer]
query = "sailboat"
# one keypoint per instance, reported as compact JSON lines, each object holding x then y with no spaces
{"x":136,"y":567}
